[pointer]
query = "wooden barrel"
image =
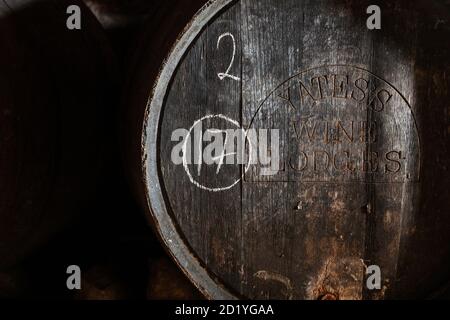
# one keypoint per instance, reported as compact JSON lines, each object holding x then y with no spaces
{"x":283,"y":150}
{"x":55,"y":114}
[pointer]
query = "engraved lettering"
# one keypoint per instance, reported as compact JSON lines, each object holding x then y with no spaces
{"x":344,"y":126}
{"x":321,"y":155}
{"x":286,"y":95}
{"x":362,"y":85}
{"x":370,"y":161}
{"x":340,"y":88}
{"x":304,"y":90}
{"x":341,"y":128}
{"x":335,"y":161}
{"x":302,"y":162}
{"x":394,"y":165}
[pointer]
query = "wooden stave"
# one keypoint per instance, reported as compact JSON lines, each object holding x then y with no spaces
{"x":145,"y":177}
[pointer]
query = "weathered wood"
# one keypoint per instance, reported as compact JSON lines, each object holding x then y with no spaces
{"x":55,"y":120}
{"x":362,"y":118}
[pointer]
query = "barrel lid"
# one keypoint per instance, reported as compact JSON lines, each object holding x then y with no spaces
{"x":282,"y":150}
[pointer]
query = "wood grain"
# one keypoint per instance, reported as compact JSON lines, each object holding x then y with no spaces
{"x":353,"y":114}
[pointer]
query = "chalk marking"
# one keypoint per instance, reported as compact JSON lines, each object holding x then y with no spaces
{"x":185,"y":161}
{"x":222,"y":76}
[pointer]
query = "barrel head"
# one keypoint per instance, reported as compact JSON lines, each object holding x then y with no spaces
{"x":286,"y":148}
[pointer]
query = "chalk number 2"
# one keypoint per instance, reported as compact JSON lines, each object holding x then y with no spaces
{"x":227,"y":74}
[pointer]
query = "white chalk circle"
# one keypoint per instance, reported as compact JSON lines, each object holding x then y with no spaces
{"x":185,"y":162}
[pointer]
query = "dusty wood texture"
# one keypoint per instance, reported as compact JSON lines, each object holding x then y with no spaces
{"x":363,"y":128}
{"x":54,"y":87}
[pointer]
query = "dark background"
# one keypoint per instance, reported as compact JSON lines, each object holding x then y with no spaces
{"x":119,"y":256}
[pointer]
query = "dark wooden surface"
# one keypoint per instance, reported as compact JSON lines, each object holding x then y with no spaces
{"x":306,"y":235}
